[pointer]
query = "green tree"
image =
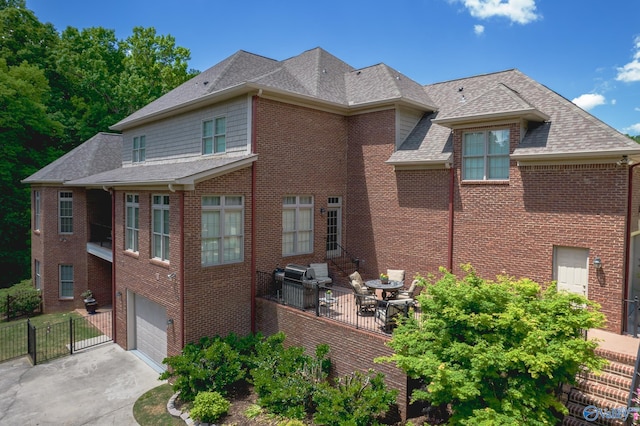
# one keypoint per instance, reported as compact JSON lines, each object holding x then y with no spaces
{"x":498,"y":352}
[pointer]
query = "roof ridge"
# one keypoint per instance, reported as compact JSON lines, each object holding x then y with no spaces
{"x":474,"y":76}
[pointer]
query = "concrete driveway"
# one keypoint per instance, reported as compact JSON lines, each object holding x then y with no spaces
{"x":97,"y":386}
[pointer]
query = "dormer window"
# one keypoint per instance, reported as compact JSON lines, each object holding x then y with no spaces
{"x":139,"y":149}
{"x":485,"y":155}
{"x":214,"y":136}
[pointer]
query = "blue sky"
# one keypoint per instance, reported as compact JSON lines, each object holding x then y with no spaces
{"x":588,"y":51}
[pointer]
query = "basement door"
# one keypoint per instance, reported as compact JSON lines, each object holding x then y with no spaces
{"x":150,"y":329}
{"x":571,"y":269}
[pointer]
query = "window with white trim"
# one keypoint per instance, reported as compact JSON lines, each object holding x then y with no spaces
{"x":36,"y":210}
{"x":485,"y":155}
{"x":214,"y":135}
{"x":132,"y":222}
{"x":222,"y":229}
{"x":65,"y":209}
{"x":297,"y":225}
{"x":139,"y":149}
{"x":160,"y":227}
{"x":37,"y":278}
{"x":66,"y":281}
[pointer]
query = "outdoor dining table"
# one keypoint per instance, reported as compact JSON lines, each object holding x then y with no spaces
{"x":390,"y":286}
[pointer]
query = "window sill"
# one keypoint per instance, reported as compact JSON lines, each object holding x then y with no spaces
{"x":133,"y":254}
{"x":485,"y":182}
{"x":159,"y":262}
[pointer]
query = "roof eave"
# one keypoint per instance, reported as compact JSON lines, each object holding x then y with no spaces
{"x":531,"y":114}
{"x":607,"y":156}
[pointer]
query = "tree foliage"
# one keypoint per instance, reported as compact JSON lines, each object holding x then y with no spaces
{"x":58,"y":90}
{"x":496,"y":351}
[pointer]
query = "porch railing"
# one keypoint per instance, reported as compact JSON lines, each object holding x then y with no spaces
{"x":340,"y":305}
{"x":342,"y":260}
{"x":634,"y":312}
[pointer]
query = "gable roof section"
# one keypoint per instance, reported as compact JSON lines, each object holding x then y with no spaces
{"x":314,"y":75}
{"x":568,"y":132}
{"x":185,"y":173}
{"x":100,"y":153}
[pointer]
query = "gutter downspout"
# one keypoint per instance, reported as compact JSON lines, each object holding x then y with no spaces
{"x":254,"y":109}
{"x":182,"y":279}
{"x":627,"y":246}
{"x":114,"y":303}
{"x":452,"y":177}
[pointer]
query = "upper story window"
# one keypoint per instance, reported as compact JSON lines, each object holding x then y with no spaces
{"x":160,"y":226}
{"x":297,"y":225}
{"x":222,"y":230}
{"x":485,"y":155}
{"x":132,"y":222}
{"x":65,"y":216}
{"x":37,"y":213}
{"x":139,"y":149}
{"x":214,"y":136}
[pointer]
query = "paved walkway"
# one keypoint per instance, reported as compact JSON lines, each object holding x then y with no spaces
{"x":623,"y":344}
{"x":97,"y":386}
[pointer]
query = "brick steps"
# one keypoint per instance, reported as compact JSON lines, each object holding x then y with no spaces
{"x":606,"y":391}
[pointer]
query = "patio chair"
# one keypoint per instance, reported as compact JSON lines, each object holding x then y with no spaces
{"x":322,"y":273}
{"x":390,"y":309}
{"x":395,"y":274}
{"x":366,"y":301}
{"x":408,"y":293}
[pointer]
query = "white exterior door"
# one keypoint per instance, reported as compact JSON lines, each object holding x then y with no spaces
{"x":334,"y":227}
{"x":571,"y":269}
{"x":150,"y":329}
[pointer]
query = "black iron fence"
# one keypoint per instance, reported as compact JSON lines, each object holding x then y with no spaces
{"x":47,"y":341}
{"x":333,"y":302}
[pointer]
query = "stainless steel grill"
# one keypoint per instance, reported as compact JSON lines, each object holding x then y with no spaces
{"x":299,"y":286}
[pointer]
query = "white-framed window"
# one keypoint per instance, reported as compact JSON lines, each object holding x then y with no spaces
{"x":485,"y":155}
{"x":66,"y":281}
{"x":214,"y":135}
{"x":222,"y":229}
{"x":160,"y":209}
{"x":297,"y":224}
{"x":37,"y":277}
{"x":139,"y":149}
{"x":65,"y":216}
{"x":37,"y":213}
{"x":132,"y":222}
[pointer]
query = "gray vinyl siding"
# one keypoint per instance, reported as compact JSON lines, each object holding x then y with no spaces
{"x":406,"y":120}
{"x":181,"y":136}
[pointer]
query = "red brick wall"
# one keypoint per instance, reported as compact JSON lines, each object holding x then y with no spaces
{"x":400,"y":219}
{"x":54,"y":249}
{"x":301,"y":152}
{"x":351,"y":349}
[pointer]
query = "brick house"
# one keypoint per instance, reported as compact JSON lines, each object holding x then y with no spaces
{"x":256,"y":163}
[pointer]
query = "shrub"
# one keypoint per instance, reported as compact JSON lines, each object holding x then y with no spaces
{"x":213,"y":364}
{"x":286,"y":379}
{"x":20,"y":299}
{"x":208,"y":407}
{"x":498,"y":352}
{"x":355,"y":400}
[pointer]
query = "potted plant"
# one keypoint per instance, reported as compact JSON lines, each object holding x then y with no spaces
{"x":90,"y":303}
{"x":384,"y":278}
{"x":328,"y":295}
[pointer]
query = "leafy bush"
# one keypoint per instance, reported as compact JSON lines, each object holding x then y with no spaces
{"x":356,"y":400}
{"x":20,"y":299}
{"x":208,"y":407}
{"x":498,"y":352}
{"x":286,"y":379}
{"x":212,"y":364}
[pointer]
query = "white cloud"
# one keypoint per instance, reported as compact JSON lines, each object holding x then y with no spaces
{"x":478,"y":29}
{"x":631,"y":71}
{"x":589,"y":101}
{"x":633,"y":130}
{"x":636,"y":109}
{"x":520,"y":11}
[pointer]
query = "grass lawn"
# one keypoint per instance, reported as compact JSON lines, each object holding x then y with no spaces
{"x":151,"y":408}
{"x":52,"y":335}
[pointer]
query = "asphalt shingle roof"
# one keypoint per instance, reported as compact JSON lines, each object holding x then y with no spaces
{"x":100,"y":153}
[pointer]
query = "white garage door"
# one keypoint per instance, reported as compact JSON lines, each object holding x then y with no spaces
{"x":571,"y":269}
{"x":151,"y":329}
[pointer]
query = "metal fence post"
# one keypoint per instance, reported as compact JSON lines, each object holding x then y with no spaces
{"x":635,"y":316}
